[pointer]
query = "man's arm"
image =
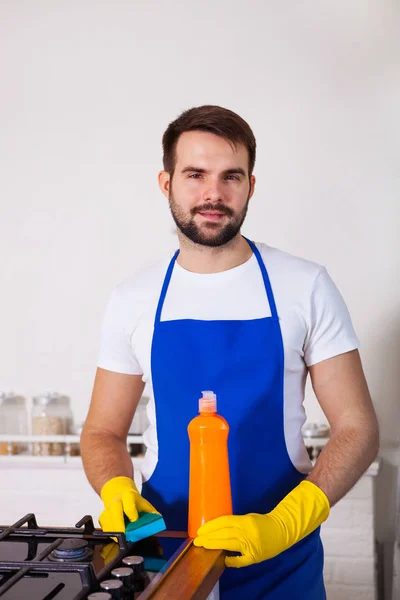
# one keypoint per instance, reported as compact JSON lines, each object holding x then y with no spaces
{"x":342,"y":392}
{"x":103,"y":439}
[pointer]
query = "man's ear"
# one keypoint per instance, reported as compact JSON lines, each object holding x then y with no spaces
{"x":164,"y":182}
{"x":252,"y":185}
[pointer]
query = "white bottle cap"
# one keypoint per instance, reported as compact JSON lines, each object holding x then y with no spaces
{"x":208,"y":403}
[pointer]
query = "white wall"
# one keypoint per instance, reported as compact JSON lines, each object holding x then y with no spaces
{"x":87,"y":89}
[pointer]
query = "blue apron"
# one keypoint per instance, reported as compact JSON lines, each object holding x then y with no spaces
{"x":243,"y":363}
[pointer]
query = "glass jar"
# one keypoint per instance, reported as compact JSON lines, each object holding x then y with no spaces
{"x":140,"y":421}
{"x":138,"y":426}
{"x":69,"y":421}
{"x":51,"y":415}
{"x":13,"y":421}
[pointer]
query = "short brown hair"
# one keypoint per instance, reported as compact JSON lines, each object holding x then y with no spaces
{"x":215,"y":119}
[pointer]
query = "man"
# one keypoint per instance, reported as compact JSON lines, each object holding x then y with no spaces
{"x":249,"y":322}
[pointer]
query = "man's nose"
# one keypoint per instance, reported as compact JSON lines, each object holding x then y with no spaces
{"x":213,"y":191}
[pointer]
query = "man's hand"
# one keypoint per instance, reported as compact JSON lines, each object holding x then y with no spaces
{"x":120,"y":496}
{"x":259,"y":537}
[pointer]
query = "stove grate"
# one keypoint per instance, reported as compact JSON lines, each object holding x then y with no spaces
{"x":14,"y":571}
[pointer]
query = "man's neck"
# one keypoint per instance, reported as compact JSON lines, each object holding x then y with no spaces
{"x":205,"y":259}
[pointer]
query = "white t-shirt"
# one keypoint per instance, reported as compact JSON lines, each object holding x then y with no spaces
{"x":314,"y":320}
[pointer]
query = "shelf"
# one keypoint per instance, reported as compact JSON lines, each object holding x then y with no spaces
{"x":64,"y":461}
{"x":27,"y":456}
{"x":57,"y":439}
{"x":315,"y":442}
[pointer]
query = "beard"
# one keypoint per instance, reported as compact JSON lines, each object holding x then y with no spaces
{"x":210,"y":234}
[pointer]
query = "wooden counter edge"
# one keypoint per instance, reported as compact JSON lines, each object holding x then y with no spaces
{"x":191,"y":576}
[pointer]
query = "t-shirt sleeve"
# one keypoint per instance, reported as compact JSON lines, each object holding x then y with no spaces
{"x":116,"y":353}
{"x":330,"y":330}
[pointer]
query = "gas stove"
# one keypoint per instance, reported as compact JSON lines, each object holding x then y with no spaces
{"x":81,"y":562}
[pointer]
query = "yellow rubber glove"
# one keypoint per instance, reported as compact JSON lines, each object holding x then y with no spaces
{"x":109,"y":551}
{"x":120,"y":496}
{"x":259,"y":537}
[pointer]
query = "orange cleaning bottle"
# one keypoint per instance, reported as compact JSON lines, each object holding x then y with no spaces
{"x":209,"y":479}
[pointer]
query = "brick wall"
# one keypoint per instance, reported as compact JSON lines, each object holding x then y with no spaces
{"x":349,"y":542}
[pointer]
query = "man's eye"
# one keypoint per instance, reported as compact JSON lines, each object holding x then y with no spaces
{"x":194,"y":175}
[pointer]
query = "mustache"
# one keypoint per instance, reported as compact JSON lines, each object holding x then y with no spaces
{"x":216,"y":207}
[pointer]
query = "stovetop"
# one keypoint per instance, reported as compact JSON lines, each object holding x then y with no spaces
{"x":74,"y":563}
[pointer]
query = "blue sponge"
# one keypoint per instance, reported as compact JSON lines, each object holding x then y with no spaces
{"x":146,"y":525}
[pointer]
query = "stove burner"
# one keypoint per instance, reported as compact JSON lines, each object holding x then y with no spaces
{"x":71,"y":549}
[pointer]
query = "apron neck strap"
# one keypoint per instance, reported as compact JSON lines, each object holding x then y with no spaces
{"x":267,"y":283}
{"x":167,"y":279}
{"x":264,"y":273}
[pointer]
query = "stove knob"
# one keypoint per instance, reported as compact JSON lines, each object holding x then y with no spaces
{"x":126,"y":575}
{"x":100,"y":596}
{"x":136,"y":563}
{"x":113,"y":587}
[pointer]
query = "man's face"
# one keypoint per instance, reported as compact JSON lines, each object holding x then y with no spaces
{"x":210,"y":189}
